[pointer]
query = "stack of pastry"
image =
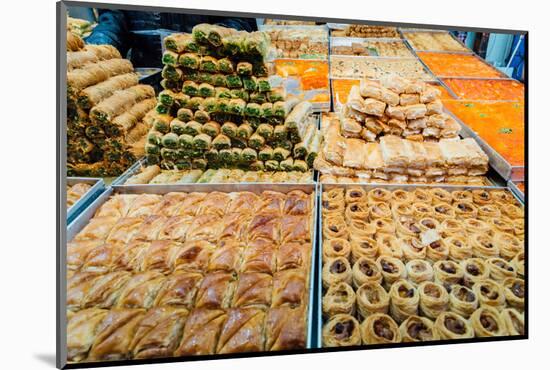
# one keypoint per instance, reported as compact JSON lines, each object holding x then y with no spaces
{"x":106,"y":110}
{"x":420,"y":265}
{"x":366,"y":31}
{"x":396,"y":106}
{"x":458,"y":180}
{"x":185,"y":274}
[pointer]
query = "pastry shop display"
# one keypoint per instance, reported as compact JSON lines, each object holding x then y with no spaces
{"x":306,"y":42}
{"x":193,"y":273}
{"x":366,"y":31}
{"x":419,"y":264}
{"x":434,"y":41}
{"x":75,"y":192}
{"x":376,"y":68}
{"x":393,"y":48}
{"x":486,"y":89}
{"x":457,"y":65}
{"x":286,"y":22}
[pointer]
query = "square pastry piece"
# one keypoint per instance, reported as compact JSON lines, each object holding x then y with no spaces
{"x":289,"y":288}
{"x":259,"y":256}
{"x":285,"y":328}
{"x":201,"y":332}
{"x":216,"y":290}
{"x":179,"y":289}
{"x":243,"y":331}
{"x":253,"y":289}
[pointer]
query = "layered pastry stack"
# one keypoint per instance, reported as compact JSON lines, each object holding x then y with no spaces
{"x":190,"y":274}
{"x":106,"y":110}
{"x":421,"y":265}
{"x":367,"y":31}
{"x":218,"y":108}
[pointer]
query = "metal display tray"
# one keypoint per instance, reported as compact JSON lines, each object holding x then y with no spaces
{"x":98,"y":186}
{"x":82,"y":220}
{"x":348,"y":41}
{"x":517,"y":192}
{"x":466,"y":51}
{"x":323,"y":187}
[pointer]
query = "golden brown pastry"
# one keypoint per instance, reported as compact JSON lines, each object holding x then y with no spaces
{"x":450,"y":325}
{"x":335,"y":226}
{"x":141,"y":290}
{"x":357,"y":211}
{"x":508,"y":245}
{"x":503,"y":197}
{"x":388,"y":245}
{"x":447,"y":273}
{"x":451,"y":227}
{"x":295,"y":229}
{"x":360,"y":229}
{"x":379,"y":210}
{"x":513,"y":321}
{"x":190,"y":204}
{"x":264,"y":225}
{"x":428,"y":223}
{"x":97,"y":229}
{"x":243,"y":331}
{"x":201,"y":332}
{"x":475,"y":270}
{"x":363,"y":247}
{"x":150,"y":228}
{"x":216,"y":290}
{"x":462,"y":300}
{"x":419,"y":271}
{"x":193,"y":256}
{"x":462,"y":195}
{"x":421,"y":210}
{"x":490,"y":293}
{"x":179,"y":289}
{"x":226,"y":257}
{"x":341,"y":330}
{"x":422,"y":195}
{"x":487,"y":212}
{"x":383,"y":226}
{"x":215,"y":203}
{"x":339,"y":298}
{"x":372,"y":298}
{"x":380,"y":328}
{"x":514,"y":291}
{"x":440,"y":195}
{"x":501,"y":225}
{"x":487,"y":322}
{"x":403,"y":209}
{"x":434,"y":299}
{"x":205,"y":227}
{"x":412,"y":248}
{"x":175,"y":228}
{"x":144,"y":205}
{"x":392,"y":269}
{"x":337,"y":247}
{"x":379,"y":195}
{"x":253,"y":289}
{"x":293,"y":256}
{"x":465,"y":209}
{"x":125,"y":229}
{"x":443,"y":211}
{"x":512,"y":211}
{"x":297,"y":203}
{"x":117,"y":206}
{"x":285,"y":328}
{"x":115,"y":335}
{"x":365,"y":270}
{"x":407,"y":227}
{"x":77,"y":251}
{"x":476,"y":226}
{"x":404,"y":300}
{"x":259,"y":256}
{"x":519,"y":264}
{"x":519,"y":228}
{"x":436,"y":250}
{"x":400,"y":195}
{"x":234,"y":226}
{"x":81,"y":332}
{"x":416,"y":329}
{"x":243,"y":202}
{"x":102,"y":258}
{"x":336,"y":270}
{"x":459,"y":248}
{"x":481,"y":196}
{"x":106,"y":290}
{"x":78,"y":285}
{"x":272,"y":201}
{"x":157,"y":256}
{"x":289,"y":288}
{"x":332,"y":201}
{"x":169,"y":204}
{"x":500,"y":269}
{"x":158,"y":333}
{"x":355,"y":195}
{"x":131,"y":256}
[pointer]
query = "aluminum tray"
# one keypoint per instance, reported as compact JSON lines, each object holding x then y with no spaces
{"x":323,"y":187}
{"x":517,"y":192}
{"x":466,"y":51}
{"x":83,"y":219}
{"x":98,"y":186}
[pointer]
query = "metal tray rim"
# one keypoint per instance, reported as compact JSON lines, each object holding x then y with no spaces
{"x":98,"y":186}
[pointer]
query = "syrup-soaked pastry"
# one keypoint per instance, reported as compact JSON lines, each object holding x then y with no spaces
{"x":508,"y":245}
{"x":336,"y":270}
{"x":519,"y":264}
{"x":243,"y":331}
{"x":434,"y":299}
{"x":244,"y":202}
{"x":501,"y":225}
{"x":418,"y":271}
{"x":421,"y":210}
{"x":513,"y":321}
{"x":265,"y":225}
{"x":106,"y":290}
{"x":388,"y":245}
{"x":201,"y":332}
{"x":403,"y":209}
{"x":416,"y":329}
{"x":512,"y":211}
{"x":190,"y":204}
{"x":169,"y":204}
{"x":234,"y":226}
{"x":514,"y":291}
{"x":297,"y":203}
{"x":205,"y":227}
{"x":406,"y":227}
{"x":379,"y":195}
{"x":215,"y":203}
{"x":289,"y":288}
{"x":115,"y":334}
{"x":150,"y":228}
{"x":285,"y":328}
{"x":77,"y":251}
{"x":179,"y":290}
{"x":337,"y":247}
{"x":116,"y":206}
{"x":404,"y":300}
{"x":78,"y":286}
{"x":102,"y":258}
{"x":379,"y":210}
{"x":450,"y":325}
{"x":355,"y":195}
{"x":372,"y":298}
{"x":144,"y":205}
{"x":503,"y":197}
{"x":392,"y":269}
{"x":400,"y":195}
{"x":443,"y":211}
{"x":335,"y":226}
{"x":333,"y":201}
{"x":272,"y":201}
{"x":462,"y":196}
{"x":475,"y":270}
{"x":412,"y":248}
{"x":226,"y":257}
{"x":340,"y":331}
{"x":459,"y":248}
{"x":97,"y":229}
{"x":422,"y":195}
{"x":157,"y":256}
{"x":295,"y":229}
{"x":490,"y":293}
{"x":448,"y":273}
{"x":159,"y":332}
{"x":365,"y":270}
{"x":175,"y":228}
{"x":141,"y":290}
{"x":519,"y":227}
{"x":293,"y":256}
{"x":363,"y":247}
{"x":481,"y":196}
{"x":131,"y":256}
{"x":357,"y":211}
{"x":474,"y":225}
{"x":383,"y":226}
{"x":451,"y":227}
{"x":380,"y":328}
{"x":500,"y":269}
{"x":193,"y":256}
{"x":125,"y":229}
{"x":487,"y":322}
{"x":81,"y":332}
{"x":259,"y":256}
{"x":462,"y":300}
{"x":216,"y":290}
{"x":483,"y":246}
{"x":437,"y":250}
{"x":339,"y":298}
{"x":464,"y":209}
{"x":359,"y":229}
{"x":487,"y":212}
{"x":440,"y":195}
{"x":253,"y":288}
{"x":428,"y":223}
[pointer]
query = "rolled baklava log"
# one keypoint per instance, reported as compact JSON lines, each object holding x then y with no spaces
{"x":459,"y":248}
{"x":379,"y":195}
{"x":490,"y":293}
{"x":448,"y":273}
{"x":412,"y":248}
{"x":519,"y":264}
{"x":404,"y":300}
{"x":365,"y":270}
{"x":482,"y":196}
{"x":514,"y":291}
{"x":372,"y":298}
{"x":500,"y":269}
{"x":419,"y":271}
{"x":450,"y":325}
{"x":357,"y":211}
{"x":337,"y":247}
{"x":365,"y":247}
{"x":462,"y":300}
{"x":336,"y":270}
{"x":389,"y":245}
{"x":508,"y":245}
{"x":334,"y":226}
{"x":355,"y":195}
{"x":434,"y":299}
{"x":333,"y":201}
{"x":380,"y":328}
{"x":513,"y":321}
{"x":450,"y":227}
{"x":417,"y":329}
{"x":379,"y":210}
{"x":475,"y":270}
{"x":462,"y":195}
{"x":440,"y":195}
{"x":437,"y":250}
{"x":487,"y":322}
{"x":341,"y":330}
{"x":339,"y":298}
{"x":392,"y":269}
